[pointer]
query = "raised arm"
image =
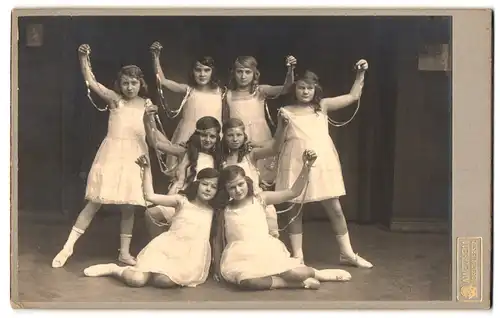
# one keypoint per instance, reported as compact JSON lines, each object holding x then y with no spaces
{"x":147,"y":187}
{"x":277,"y":197}
{"x":157,"y":139}
{"x":272,"y":146}
{"x":150,"y":127}
{"x":180,"y":175}
{"x":335,"y":103}
{"x":169,"y":84}
{"x":105,"y":93}
{"x":275,"y":91}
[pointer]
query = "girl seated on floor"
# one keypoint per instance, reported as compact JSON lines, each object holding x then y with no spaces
{"x":252,"y":258}
{"x":201,"y":151}
{"x":182,"y":255}
{"x":237,"y":151}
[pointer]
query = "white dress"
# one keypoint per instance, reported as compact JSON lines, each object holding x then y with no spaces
{"x":199,"y":104}
{"x":182,"y":253}
{"x":251,"y":110}
{"x":252,"y":172}
{"x":310,"y":131}
{"x":250,"y":251}
{"x":204,"y":161}
{"x":114,"y":177}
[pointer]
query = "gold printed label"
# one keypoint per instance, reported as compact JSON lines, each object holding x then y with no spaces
{"x":469,"y":269}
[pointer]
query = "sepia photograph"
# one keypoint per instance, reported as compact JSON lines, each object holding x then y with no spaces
{"x":239,"y":159}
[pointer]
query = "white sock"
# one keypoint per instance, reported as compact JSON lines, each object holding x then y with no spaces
{"x":345,"y":245}
{"x":296,"y":242}
{"x":62,"y":257}
{"x":278,"y":282}
{"x":125,"y":240}
{"x":104,"y":270}
{"x":74,"y":235}
{"x":311,"y":283}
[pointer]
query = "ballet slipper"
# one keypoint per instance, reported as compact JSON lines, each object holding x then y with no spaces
{"x":311,"y":283}
{"x":127,"y":259}
{"x":332,"y":275}
{"x":355,"y":260}
{"x":101,"y":270}
{"x":61,"y":258}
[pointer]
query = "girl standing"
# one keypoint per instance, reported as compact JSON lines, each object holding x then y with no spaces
{"x":181,"y":256}
{"x":253,"y":259}
{"x":114,"y":177}
{"x":202,"y":151}
{"x":202,"y":96}
{"x":246,"y":100}
{"x":308,"y":129}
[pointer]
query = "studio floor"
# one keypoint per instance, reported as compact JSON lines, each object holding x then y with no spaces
{"x":408,"y":266}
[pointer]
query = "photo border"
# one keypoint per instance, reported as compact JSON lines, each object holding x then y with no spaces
{"x":472,"y":122}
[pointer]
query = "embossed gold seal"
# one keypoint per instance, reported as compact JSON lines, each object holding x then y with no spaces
{"x":469,"y":269}
{"x":468,"y":291}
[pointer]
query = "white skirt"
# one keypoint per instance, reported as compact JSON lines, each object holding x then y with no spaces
{"x":256,"y":258}
{"x":115,"y":178}
{"x":185,"y":261}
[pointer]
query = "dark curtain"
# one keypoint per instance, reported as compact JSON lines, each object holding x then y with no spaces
{"x":60,"y":130}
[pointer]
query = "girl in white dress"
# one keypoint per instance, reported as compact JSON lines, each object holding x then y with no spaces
{"x":181,"y":256}
{"x":114,"y":177}
{"x":237,"y":151}
{"x":203,"y":96}
{"x":307,"y":128}
{"x":246,"y":99}
{"x":252,"y":258}
{"x":203,"y":150}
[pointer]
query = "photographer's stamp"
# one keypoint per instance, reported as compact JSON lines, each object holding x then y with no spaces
{"x":469,"y":269}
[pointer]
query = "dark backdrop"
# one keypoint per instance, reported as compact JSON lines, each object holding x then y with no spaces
{"x":395,"y":155}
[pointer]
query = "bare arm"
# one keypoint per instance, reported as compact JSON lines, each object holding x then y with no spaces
{"x":266,"y":151}
{"x":169,"y":84}
{"x":272,"y":220}
{"x":150,"y":127}
{"x":277,"y":197}
{"x":180,"y":175}
{"x":161,"y":142}
{"x":275,"y":91}
{"x":105,"y":93}
{"x":335,"y":103}
{"x":158,"y":140}
{"x":151,"y":196}
{"x":271,"y":147}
